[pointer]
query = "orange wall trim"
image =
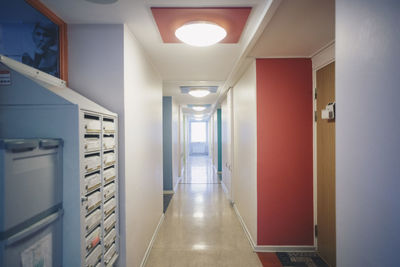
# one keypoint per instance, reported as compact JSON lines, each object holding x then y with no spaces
{"x":284,"y":152}
{"x":63,"y":41}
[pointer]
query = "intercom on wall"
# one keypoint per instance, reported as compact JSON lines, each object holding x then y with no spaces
{"x":329,"y":112}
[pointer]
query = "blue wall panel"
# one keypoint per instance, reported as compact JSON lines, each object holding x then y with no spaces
{"x":167,"y":143}
{"x":219,"y":122}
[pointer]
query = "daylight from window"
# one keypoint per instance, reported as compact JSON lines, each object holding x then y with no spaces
{"x":198,"y":132}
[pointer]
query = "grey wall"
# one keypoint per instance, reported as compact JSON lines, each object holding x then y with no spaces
{"x":108,"y":65}
{"x":368,"y":132}
{"x":95,"y":64}
{"x":167,"y":143}
{"x":96,"y":70}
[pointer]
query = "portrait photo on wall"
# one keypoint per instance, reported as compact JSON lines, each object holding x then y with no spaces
{"x":32,"y":43}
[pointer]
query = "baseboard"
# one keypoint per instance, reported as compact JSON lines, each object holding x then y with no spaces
{"x":284,"y":249}
{"x":153,"y":238}
{"x":177,"y":183}
{"x":246,"y":230}
{"x":257,"y":248}
{"x":224,"y":188}
{"x":168,"y":192}
{"x":215,"y":169}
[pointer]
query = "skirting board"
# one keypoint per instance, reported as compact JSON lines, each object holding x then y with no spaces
{"x":257,"y":248}
{"x":168,"y":192}
{"x":246,"y":230}
{"x":224,"y":188}
{"x":284,"y":249}
{"x":153,"y":238}
{"x":177,"y":183}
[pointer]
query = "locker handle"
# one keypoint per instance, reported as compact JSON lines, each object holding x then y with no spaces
{"x":21,"y":145}
{"x":34,"y":228}
{"x":50,"y":143}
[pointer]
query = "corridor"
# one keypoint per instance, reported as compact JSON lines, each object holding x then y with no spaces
{"x":200,"y":226}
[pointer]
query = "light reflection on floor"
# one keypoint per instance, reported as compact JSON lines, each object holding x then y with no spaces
{"x":200,"y":227}
{"x":199,"y":170}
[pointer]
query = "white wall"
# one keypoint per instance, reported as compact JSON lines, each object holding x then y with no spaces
{"x":226,"y":125}
{"x":143,"y":131}
{"x":107,"y":65}
{"x":367,"y":132}
{"x":245,"y":149}
{"x":211,"y":138}
{"x":175,"y":143}
{"x":215,"y":134}
{"x":181,"y":141}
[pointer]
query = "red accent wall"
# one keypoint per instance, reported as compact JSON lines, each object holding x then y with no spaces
{"x":284,"y":152}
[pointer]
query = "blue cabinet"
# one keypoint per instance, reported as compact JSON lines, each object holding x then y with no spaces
{"x":31,"y":202}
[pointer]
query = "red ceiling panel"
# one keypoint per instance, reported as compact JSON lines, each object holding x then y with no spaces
{"x":232,"y":19}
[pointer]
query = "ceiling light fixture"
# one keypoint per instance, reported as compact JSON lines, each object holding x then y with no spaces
{"x":200,"y":33}
{"x":102,"y":2}
{"x":198,"y":108}
{"x":199,"y":92}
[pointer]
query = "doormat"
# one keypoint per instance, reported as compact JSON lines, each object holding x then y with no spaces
{"x":301,"y":259}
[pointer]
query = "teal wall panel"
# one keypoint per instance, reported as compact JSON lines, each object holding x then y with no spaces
{"x":167,"y":143}
{"x":219,"y":118}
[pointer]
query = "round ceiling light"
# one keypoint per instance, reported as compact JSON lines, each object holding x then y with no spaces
{"x":200,"y":33}
{"x":199,"y":92}
{"x":198,"y":108}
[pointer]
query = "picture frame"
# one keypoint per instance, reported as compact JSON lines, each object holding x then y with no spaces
{"x":62,"y":35}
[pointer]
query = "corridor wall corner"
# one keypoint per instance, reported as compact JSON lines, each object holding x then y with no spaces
{"x":272,"y":107}
{"x":102,"y":59}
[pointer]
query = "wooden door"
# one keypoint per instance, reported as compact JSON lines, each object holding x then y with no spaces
{"x":326,"y":209}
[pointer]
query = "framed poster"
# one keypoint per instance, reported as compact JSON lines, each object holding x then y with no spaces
{"x":34,"y":35}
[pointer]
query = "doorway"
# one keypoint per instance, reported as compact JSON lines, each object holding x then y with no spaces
{"x":326,"y":208}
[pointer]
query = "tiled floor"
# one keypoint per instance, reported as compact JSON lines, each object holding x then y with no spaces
{"x":199,"y":171}
{"x":200,"y":226}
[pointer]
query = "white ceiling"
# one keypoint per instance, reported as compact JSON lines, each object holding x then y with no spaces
{"x":298,"y":28}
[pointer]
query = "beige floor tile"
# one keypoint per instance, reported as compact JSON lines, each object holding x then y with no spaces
{"x":200,"y":226}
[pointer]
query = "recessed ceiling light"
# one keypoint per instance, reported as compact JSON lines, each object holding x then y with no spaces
{"x":198,"y":108}
{"x":199,"y":92}
{"x":200,"y":33}
{"x":198,"y":115}
{"x":102,"y":2}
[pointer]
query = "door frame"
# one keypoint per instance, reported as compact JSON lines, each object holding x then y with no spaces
{"x":320,"y":59}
